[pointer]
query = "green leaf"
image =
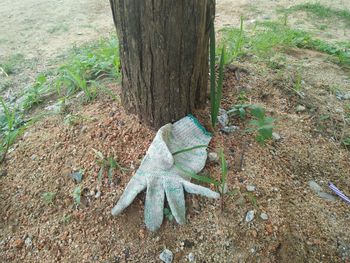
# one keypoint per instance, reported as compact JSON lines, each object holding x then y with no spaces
{"x":212,"y":73}
{"x":223,"y":170}
{"x":258,"y":112}
{"x":100,"y":173}
{"x":266,"y":131}
{"x":241,"y":113}
{"x":200,"y":178}
{"x":255,"y":123}
{"x":77,"y":195}
{"x":190,"y":149}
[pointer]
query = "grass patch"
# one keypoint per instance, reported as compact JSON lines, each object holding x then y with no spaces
{"x":83,"y":70}
{"x":11,"y":64}
{"x":321,"y":11}
{"x":265,"y":37}
{"x":88,"y":64}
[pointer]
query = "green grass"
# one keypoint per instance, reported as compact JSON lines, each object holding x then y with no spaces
{"x":88,"y":64}
{"x":215,"y":85}
{"x":266,"y":37}
{"x":321,"y":11}
{"x":11,"y":127}
{"x":11,"y":64}
{"x":34,"y":95}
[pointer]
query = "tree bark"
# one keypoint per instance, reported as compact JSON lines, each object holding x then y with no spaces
{"x":164,"y":56}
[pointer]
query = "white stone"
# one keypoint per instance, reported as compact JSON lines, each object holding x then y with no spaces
{"x":250,"y":216}
{"x":166,"y":256}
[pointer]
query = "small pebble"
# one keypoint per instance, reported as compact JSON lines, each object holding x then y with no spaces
{"x":77,"y":176}
{"x":28,"y":242}
{"x":327,"y":196}
{"x":191,"y":257}
{"x":98,"y":194}
{"x":300,"y":108}
{"x":213,"y":157}
{"x":223,"y":117}
{"x":250,"y":216}
{"x":250,"y":188}
{"x":264,"y":216}
{"x":315,"y":186}
{"x":229,"y":129}
{"x":166,"y":256}
{"x":276,"y":137}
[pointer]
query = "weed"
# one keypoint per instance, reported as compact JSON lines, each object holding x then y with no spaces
{"x":215,"y":88}
{"x":11,"y":129}
{"x":262,"y":124}
{"x":107,"y":164}
{"x":77,"y":195}
{"x":34,"y":95}
{"x":200,"y":178}
{"x":87,"y":64}
{"x":239,"y":110}
{"x":242,"y":97}
{"x":49,"y":197}
{"x":252,"y":199}
{"x":297,"y":82}
{"x":66,"y":219}
{"x":223,"y":184}
{"x":10,"y":65}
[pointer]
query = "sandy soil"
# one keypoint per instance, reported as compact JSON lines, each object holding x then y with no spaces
{"x":301,"y":226}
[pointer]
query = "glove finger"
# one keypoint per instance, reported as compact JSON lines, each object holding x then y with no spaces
{"x":176,"y":200}
{"x":197,"y":189}
{"x":154,"y":204}
{"x":134,"y":187}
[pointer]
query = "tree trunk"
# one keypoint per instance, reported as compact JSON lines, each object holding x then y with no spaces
{"x":164,"y":56}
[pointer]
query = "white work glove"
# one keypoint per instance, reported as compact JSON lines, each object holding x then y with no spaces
{"x":159,"y":174}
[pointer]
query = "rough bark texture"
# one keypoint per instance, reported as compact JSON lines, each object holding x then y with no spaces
{"x":164,"y":56}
